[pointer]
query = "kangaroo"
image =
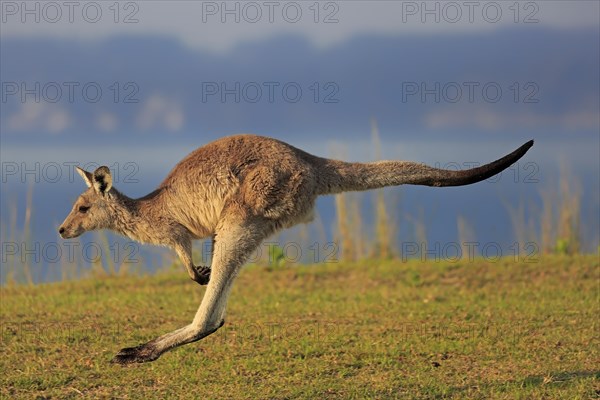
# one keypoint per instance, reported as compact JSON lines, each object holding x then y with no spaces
{"x":238,"y":190}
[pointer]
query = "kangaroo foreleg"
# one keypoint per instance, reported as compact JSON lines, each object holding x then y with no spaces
{"x":198,"y":273}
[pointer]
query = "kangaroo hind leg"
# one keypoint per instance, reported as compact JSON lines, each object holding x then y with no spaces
{"x":234,"y":244}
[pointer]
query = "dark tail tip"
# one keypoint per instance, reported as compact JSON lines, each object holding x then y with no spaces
{"x":520,"y":152}
{"x":474,"y":175}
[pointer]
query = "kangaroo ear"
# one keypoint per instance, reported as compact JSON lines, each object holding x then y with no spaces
{"x":87,"y":177}
{"x":102,"y":180}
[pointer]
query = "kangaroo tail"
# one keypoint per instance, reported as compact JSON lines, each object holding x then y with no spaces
{"x":339,"y":176}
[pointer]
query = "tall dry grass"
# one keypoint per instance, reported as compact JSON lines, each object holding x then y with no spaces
{"x":16,"y":269}
{"x":24,"y":267}
{"x":559,"y":219}
{"x":344,"y":231}
{"x":569,"y":212}
{"x":350,"y":229}
{"x":383,"y":247}
{"x":359,"y":235}
{"x":419,"y":226}
{"x":466,"y":234}
{"x":547,"y":221}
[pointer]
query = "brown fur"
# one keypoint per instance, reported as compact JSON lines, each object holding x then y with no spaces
{"x":239,"y":190}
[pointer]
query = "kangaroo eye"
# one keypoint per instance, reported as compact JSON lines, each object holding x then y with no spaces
{"x":83,"y":209}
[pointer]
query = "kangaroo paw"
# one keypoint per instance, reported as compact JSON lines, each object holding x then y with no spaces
{"x":139,"y":354}
{"x":202,"y":275}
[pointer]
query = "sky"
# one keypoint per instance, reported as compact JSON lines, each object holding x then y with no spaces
{"x":220,"y":26}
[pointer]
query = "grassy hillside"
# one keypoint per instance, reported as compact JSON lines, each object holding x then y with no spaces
{"x":366,"y":330}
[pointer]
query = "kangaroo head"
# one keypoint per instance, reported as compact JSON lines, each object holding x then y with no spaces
{"x":95,"y":208}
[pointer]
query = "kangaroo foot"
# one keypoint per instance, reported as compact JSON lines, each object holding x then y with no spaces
{"x":139,"y":354}
{"x":201,"y":274}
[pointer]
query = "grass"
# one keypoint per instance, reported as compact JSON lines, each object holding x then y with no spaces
{"x":368,"y":329}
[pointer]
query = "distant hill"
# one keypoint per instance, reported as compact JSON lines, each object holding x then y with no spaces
{"x":369,"y":76}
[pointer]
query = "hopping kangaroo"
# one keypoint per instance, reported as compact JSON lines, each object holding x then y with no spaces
{"x":237,"y":190}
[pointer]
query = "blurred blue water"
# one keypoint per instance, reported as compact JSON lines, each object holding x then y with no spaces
{"x":485,"y":206}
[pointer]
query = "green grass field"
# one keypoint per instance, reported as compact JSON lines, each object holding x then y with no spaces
{"x":372,"y":329}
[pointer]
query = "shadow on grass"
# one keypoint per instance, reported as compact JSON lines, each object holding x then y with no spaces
{"x":555,"y":379}
{"x":559,"y":377}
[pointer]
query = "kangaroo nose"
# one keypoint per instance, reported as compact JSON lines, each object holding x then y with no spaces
{"x":61,"y":230}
